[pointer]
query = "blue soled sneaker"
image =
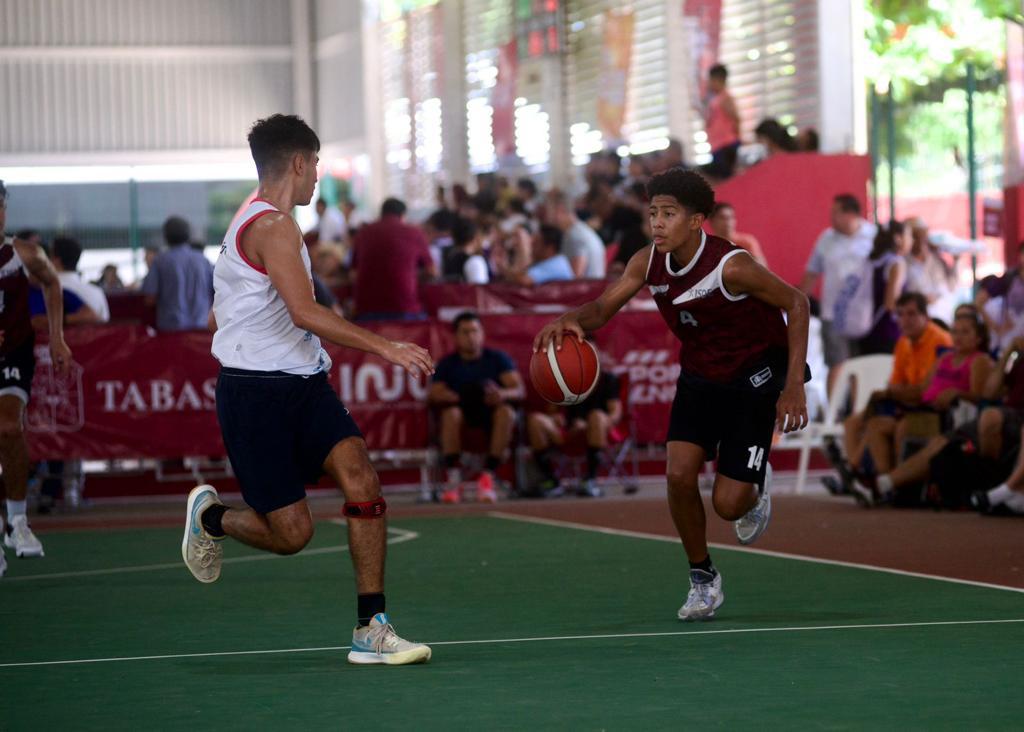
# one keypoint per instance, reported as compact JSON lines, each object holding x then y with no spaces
{"x":752,"y":524}
{"x":704,"y":598}
{"x":379,"y":643}
{"x":202,"y":553}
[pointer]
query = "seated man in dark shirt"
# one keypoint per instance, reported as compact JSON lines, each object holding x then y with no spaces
{"x":595,"y":417}
{"x":474,"y":387}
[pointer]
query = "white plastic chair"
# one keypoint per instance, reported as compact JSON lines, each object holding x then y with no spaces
{"x":871,"y":374}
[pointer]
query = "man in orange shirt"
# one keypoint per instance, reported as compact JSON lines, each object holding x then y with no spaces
{"x":876,"y":430}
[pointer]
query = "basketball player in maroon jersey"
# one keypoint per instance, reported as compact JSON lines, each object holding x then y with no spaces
{"x":742,"y":367}
{"x":18,"y":259}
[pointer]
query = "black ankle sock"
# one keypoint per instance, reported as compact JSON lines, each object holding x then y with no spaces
{"x":368,"y":606}
{"x":211,"y":518}
{"x":451,"y":461}
{"x":706,"y":566}
{"x":593,"y":461}
{"x":492,"y":463}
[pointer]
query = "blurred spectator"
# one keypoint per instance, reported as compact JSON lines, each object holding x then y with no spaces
{"x":888,"y":277}
{"x":353,"y":219}
{"x":66,"y":253}
{"x":919,"y":347}
{"x":723,"y":224}
{"x":110,"y":280}
{"x":807,"y":140}
{"x":526,"y":190}
{"x":330,"y":224}
{"x":774,"y":137}
{"x":438,"y":230}
{"x":474,"y":387}
{"x":580,"y":244}
{"x":1000,"y":300}
{"x":328,"y":264}
{"x":463,"y":260}
{"x":631,"y":241}
{"x":179,"y":281}
{"x":388,"y":260}
{"x":549,"y":264}
{"x":722,"y":125}
{"x":594,"y":418}
{"x":840,"y":250}
{"x":927,"y":272}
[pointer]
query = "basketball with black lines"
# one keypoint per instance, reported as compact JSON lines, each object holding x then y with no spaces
{"x":568,"y":374}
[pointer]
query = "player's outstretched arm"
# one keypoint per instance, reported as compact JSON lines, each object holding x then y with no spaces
{"x":273,"y":241}
{"x":742,"y":275}
{"x":597,"y":312}
{"x":39,"y":267}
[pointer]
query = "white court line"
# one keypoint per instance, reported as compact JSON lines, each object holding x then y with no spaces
{"x":747,"y":550}
{"x":538,"y":639}
{"x":404,"y":535}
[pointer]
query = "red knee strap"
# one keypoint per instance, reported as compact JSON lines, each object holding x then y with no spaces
{"x":365,"y":510}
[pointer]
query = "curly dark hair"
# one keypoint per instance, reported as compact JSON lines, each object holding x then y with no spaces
{"x":686,"y":186}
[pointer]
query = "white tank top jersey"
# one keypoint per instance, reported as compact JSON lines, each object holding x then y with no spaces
{"x":254,"y":330}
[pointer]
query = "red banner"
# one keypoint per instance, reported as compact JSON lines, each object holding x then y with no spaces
{"x":135,"y":394}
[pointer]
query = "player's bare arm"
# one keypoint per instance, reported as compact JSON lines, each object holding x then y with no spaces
{"x":40,"y":268}
{"x":273,"y":242}
{"x":596,"y":313}
{"x":742,"y":275}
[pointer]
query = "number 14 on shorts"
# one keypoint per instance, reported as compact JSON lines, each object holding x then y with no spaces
{"x":756,"y":457}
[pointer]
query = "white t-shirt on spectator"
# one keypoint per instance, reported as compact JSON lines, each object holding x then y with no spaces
{"x":475,"y":271}
{"x":87,"y":292}
{"x":332,"y":225}
{"x":580,"y":240}
{"x":831,"y":257}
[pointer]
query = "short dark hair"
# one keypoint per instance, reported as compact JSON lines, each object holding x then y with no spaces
{"x":3,"y":191}
{"x":528,"y":185}
{"x":847,"y":203}
{"x":914,"y":297}
{"x":463,"y":317}
{"x":552,"y":236}
{"x":26,"y":234}
{"x":463,"y":231}
{"x":686,"y":186}
{"x":68,"y":251}
{"x":392,"y":207}
{"x":177,"y":231}
{"x":442,"y":220}
{"x":718,"y":71}
{"x":275,"y":139}
{"x":720,"y":206}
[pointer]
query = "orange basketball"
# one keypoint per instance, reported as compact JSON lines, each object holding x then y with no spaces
{"x":565,"y":376}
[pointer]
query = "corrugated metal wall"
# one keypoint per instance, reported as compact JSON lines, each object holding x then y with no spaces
{"x":139,"y":75}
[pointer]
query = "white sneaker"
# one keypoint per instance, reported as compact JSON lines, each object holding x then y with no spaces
{"x":704,"y":598}
{"x":3,"y":563}
{"x":378,"y":643}
{"x":755,"y":521}
{"x":21,"y":539}
{"x":201,"y":552}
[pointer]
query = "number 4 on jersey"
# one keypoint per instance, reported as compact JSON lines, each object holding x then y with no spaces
{"x":756,"y":457}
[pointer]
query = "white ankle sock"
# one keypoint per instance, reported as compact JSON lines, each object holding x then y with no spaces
{"x":999,"y":494}
{"x":15,"y":508}
{"x":1015,"y":501}
{"x":885,"y":484}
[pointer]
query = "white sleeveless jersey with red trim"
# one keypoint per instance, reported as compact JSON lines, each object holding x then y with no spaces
{"x":726,"y":338}
{"x":255,"y":332}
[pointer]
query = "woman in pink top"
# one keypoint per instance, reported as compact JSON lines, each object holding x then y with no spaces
{"x":960,"y":373}
{"x":722,"y":125}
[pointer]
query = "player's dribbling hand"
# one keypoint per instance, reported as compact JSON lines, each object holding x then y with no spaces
{"x":61,"y":355}
{"x":791,"y":409}
{"x":554,"y":331}
{"x":409,"y":356}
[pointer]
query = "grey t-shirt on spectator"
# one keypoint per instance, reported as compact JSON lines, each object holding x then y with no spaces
{"x":582,"y":241}
{"x":181,"y":280}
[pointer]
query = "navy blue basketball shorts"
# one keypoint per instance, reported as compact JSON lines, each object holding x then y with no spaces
{"x":734,"y":424}
{"x":278,"y":429}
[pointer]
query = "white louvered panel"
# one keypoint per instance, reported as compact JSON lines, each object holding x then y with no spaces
{"x":143,"y":22}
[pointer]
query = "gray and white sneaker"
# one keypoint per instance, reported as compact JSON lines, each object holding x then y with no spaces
{"x":379,"y":643}
{"x":201,"y":552}
{"x":20,"y":538}
{"x":704,"y":598}
{"x":755,"y":521}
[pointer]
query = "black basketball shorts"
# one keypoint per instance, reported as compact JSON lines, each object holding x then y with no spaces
{"x":17,"y":369}
{"x":734,"y":424}
{"x":278,"y":429}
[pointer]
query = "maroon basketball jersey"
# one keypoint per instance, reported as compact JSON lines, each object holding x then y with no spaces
{"x":15,"y":318}
{"x":726,"y":339}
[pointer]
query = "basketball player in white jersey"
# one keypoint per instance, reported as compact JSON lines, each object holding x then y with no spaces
{"x":283,"y":424}
{"x":742,"y":367}
{"x":18,"y":259}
